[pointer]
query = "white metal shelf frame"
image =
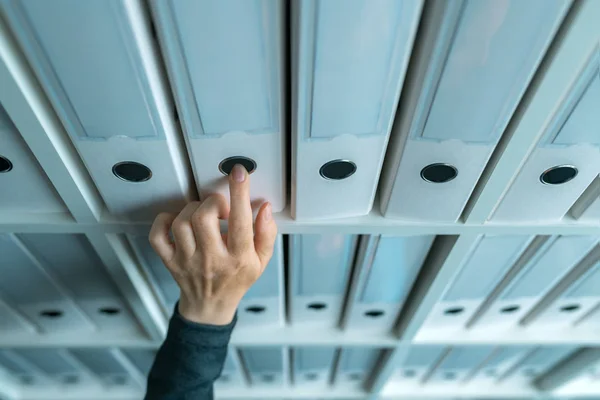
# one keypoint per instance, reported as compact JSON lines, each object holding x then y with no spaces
{"x":36,"y":120}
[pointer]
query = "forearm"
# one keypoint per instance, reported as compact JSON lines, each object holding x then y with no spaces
{"x":189,"y":361}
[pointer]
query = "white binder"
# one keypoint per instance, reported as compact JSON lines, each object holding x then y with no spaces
{"x":577,"y":373}
{"x":474,"y":62}
{"x":226,"y":64}
{"x":563,"y":109}
{"x":592,"y":320}
{"x":312,"y":366}
{"x":158,"y":275}
{"x":103,"y":364}
{"x":262,"y":305}
{"x":587,"y":207}
{"x":70,"y":289}
{"x":18,"y":165}
{"x":21,"y":370}
{"x":459,"y":364}
{"x":265,"y":365}
{"x":387,"y":268}
{"x":499,"y":363}
{"x":462,"y":297}
{"x":417,"y":364}
{"x":48,"y":367}
{"x":556,"y":257}
{"x":67,"y":368}
{"x":231,"y":376}
{"x":355,"y":366}
{"x":348,"y":63}
{"x":320,"y":268}
{"x":574,"y":297}
{"x":141,"y":358}
{"x":536,"y":363}
{"x":98,"y":64}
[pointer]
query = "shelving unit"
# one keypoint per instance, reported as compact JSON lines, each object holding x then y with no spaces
{"x":458,"y":325}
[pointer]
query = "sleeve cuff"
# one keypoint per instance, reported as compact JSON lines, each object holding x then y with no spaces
{"x":183,"y":330}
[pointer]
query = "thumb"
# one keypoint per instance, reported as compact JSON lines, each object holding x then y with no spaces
{"x":265,"y":233}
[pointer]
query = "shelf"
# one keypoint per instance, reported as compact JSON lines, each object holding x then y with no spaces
{"x":394,"y":285}
{"x":373,"y":223}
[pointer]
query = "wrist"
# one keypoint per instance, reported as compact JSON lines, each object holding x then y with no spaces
{"x":216,"y":313}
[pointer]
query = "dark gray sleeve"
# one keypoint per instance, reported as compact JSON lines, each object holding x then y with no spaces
{"x":189,"y":361}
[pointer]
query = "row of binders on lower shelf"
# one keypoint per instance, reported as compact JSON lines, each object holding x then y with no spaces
{"x":492,"y":368}
{"x":57,"y":283}
{"x":535,"y":283}
{"x":53,"y":283}
{"x":34,"y":368}
{"x":226,"y":67}
{"x":302,"y":366}
{"x":363,"y":283}
{"x":423,"y":367}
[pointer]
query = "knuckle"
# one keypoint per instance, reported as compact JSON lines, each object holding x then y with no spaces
{"x":201,"y":222}
{"x":174,"y":269}
{"x":199,"y":216}
{"x":161,"y":217}
{"x":160,"y":220}
{"x":153,"y":239}
{"x":180,"y":225}
{"x":215,"y":198}
{"x":251,"y":274}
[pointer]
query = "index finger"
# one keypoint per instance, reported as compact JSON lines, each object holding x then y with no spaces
{"x":240,"y":236}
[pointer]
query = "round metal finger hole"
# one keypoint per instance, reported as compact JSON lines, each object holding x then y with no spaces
{"x":454,"y":310}
{"x":317,"y":306}
{"x":449,"y":376}
{"x":311,"y":376}
{"x":255,"y":309}
{"x":227,"y":164}
{"x":336,"y":170}
{"x":439,"y":173}
{"x":409,"y":373}
{"x":374,"y":313}
{"x":131,"y":171}
{"x":558,"y":175}
{"x":109,"y":310}
{"x":509,"y":309}
{"x":570,"y":308}
{"x":51,"y":314}
{"x":355,"y":376}
{"x":5,"y":165}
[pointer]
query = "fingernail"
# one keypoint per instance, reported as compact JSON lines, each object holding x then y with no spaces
{"x":239,"y":173}
{"x":268,"y":213}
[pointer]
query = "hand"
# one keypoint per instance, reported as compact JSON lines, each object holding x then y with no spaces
{"x":215,"y":270}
